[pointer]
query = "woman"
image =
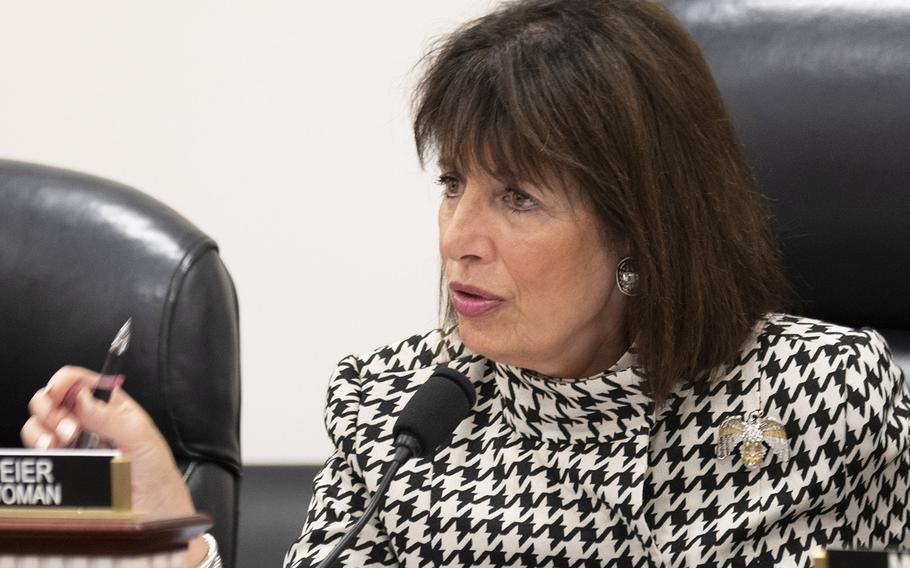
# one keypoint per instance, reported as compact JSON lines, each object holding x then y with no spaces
{"x":612,"y":290}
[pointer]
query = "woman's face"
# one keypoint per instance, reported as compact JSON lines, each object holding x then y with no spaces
{"x":530,"y":276}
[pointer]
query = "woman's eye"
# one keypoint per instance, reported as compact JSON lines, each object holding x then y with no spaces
{"x":519,"y":202}
{"x":451,"y":187}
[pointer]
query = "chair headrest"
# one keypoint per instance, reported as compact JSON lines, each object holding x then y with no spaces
{"x":818,"y":93}
{"x":79,"y":256}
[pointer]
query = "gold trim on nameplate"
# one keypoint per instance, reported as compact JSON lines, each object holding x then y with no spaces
{"x":819,"y":558}
{"x":121,"y":497}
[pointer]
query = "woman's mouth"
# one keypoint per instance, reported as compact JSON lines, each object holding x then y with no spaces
{"x":471,"y":301}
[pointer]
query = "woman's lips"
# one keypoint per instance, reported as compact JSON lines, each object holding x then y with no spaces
{"x":472,"y":302}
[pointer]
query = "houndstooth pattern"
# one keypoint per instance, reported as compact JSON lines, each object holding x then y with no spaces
{"x":587,"y":473}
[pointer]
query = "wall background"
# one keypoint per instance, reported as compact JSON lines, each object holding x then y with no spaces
{"x":279,"y":127}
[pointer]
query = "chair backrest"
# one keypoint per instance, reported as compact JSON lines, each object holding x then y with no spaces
{"x":78,"y":256}
{"x":819,"y":93}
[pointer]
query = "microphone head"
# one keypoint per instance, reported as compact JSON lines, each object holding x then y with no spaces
{"x":436,"y":409}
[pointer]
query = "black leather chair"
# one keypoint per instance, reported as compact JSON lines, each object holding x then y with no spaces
{"x":78,"y":256}
{"x":819,"y":97}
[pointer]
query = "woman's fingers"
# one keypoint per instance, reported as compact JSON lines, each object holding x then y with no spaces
{"x":66,"y":406}
{"x":35,"y":435}
{"x":41,"y":405}
{"x":54,"y":418}
{"x":61,"y":384}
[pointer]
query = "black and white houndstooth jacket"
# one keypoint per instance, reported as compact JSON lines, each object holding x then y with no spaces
{"x":586,"y":473}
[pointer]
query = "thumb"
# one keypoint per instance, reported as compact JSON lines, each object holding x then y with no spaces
{"x":120,"y":420}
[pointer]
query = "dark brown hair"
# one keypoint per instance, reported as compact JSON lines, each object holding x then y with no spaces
{"x":616,"y":97}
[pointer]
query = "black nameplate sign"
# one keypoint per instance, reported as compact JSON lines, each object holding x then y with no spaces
{"x":56,"y":478}
{"x":867,"y":559}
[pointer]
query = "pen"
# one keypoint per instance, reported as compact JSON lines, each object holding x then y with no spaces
{"x":111,"y":378}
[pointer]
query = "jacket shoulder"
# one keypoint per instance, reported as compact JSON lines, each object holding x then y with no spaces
{"x":808,"y":331}
{"x":418,"y":351}
{"x":799,"y":352}
{"x":810,"y":342}
{"x":368,"y":391}
{"x":386,"y":373}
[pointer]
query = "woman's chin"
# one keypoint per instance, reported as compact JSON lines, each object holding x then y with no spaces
{"x":480,"y":339}
{"x":490,"y":342}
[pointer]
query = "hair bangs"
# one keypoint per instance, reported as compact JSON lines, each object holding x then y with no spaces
{"x":464,"y":120}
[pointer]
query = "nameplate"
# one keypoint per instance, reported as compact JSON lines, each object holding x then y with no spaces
{"x":31,"y":479}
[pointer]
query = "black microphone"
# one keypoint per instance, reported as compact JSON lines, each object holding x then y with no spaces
{"x":426,"y":421}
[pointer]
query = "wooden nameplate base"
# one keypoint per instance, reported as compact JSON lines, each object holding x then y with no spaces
{"x":82,"y":536}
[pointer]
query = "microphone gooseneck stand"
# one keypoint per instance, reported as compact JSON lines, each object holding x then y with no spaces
{"x":426,"y":421}
{"x":402,"y":454}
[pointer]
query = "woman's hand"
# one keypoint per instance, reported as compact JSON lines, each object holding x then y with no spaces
{"x":66,"y":406}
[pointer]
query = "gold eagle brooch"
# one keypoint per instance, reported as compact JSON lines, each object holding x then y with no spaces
{"x":753,"y":431}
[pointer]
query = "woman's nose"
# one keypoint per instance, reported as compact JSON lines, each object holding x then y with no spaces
{"x":465,"y":228}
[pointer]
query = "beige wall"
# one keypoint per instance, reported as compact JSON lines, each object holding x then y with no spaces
{"x":281,"y":129}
